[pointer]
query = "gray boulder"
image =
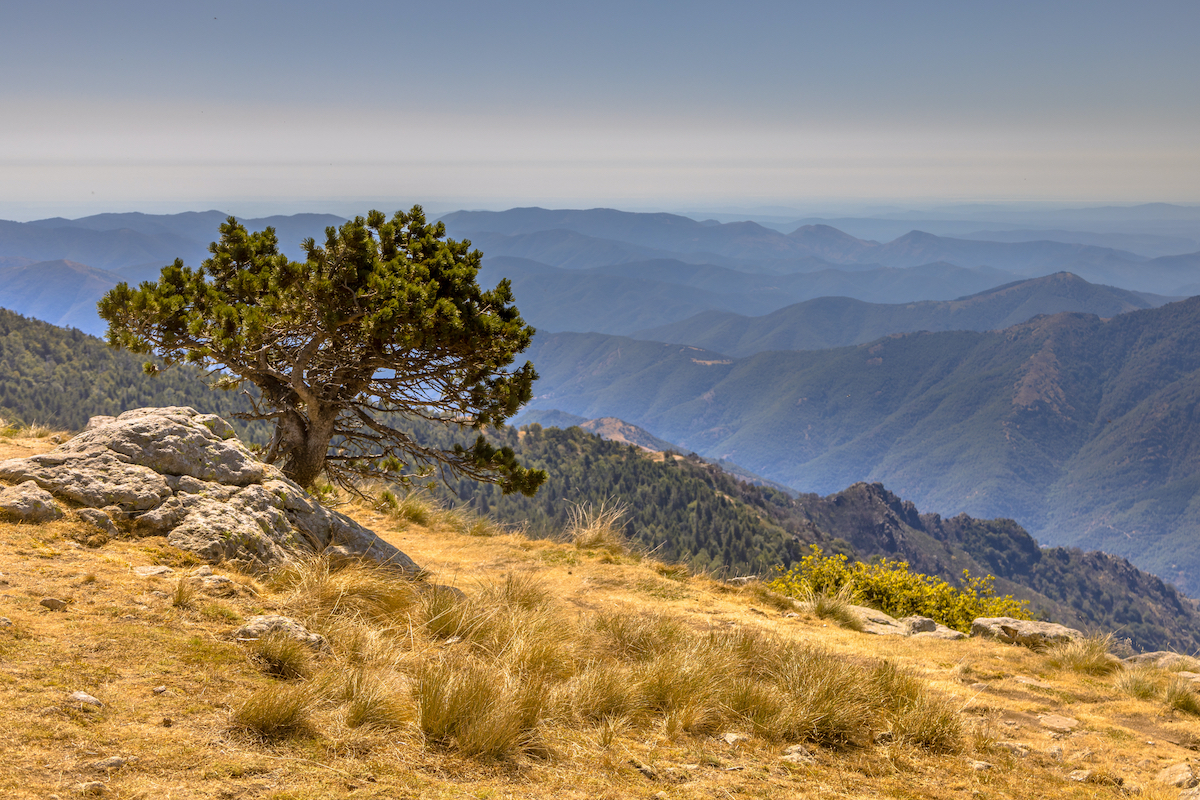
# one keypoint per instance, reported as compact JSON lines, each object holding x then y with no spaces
{"x":185,"y":475}
{"x":1023,"y":631}
{"x":28,"y":502}
{"x":1165,"y":659}
{"x":265,"y":624}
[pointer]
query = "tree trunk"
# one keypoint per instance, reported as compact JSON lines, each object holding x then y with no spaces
{"x":303,"y":444}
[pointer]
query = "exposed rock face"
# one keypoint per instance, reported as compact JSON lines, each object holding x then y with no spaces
{"x":1023,"y":631}
{"x":185,"y":475}
{"x":28,"y":502}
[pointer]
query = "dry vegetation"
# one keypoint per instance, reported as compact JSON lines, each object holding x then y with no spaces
{"x":531,"y":669}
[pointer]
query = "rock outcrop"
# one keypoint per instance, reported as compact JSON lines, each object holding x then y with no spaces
{"x":185,"y":475}
{"x":1023,"y":631}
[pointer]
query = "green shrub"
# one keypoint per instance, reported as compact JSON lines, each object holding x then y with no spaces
{"x":892,"y":588}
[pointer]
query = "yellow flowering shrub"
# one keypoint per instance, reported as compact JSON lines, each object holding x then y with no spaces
{"x":892,"y":588}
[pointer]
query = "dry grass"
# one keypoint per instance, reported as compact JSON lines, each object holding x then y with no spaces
{"x":598,"y":528}
{"x":277,"y":711}
{"x":1091,"y":655}
{"x":544,"y":678}
{"x":282,"y":656}
{"x":1138,"y":682}
{"x":833,"y":606}
{"x":1180,"y":696}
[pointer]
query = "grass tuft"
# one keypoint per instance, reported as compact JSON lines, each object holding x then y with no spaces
{"x":598,"y":527}
{"x":322,"y":589}
{"x":1138,"y":682}
{"x":375,"y":699}
{"x":278,"y":711}
{"x":281,"y":656}
{"x":1089,"y":656}
{"x":183,"y":595}
{"x":1179,"y":696}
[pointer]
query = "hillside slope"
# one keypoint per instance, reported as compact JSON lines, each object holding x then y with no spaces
{"x":685,"y":510}
{"x":1079,"y":428}
{"x":517,"y":698}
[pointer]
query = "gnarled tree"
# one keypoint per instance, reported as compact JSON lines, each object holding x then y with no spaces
{"x":384,"y":322}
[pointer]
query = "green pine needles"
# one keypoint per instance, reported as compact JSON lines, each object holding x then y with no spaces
{"x":382,"y":325}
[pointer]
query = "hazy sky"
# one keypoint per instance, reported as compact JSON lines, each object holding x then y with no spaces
{"x":252,"y":106}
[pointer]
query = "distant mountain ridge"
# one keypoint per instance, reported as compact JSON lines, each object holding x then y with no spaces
{"x":1082,"y":429}
{"x":839,"y":321}
{"x":748,"y":246}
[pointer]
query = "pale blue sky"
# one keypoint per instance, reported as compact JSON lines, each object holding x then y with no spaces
{"x":290,"y":105}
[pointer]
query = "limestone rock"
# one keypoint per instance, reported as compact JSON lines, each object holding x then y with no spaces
{"x":156,"y":571}
{"x":94,"y":478}
{"x":97,"y":519}
{"x":259,"y":626}
{"x":878,"y":623}
{"x":174,"y":441}
{"x":186,"y":476}
{"x":1023,"y":631}
{"x":918,"y":624}
{"x":110,"y":763}
{"x":27,"y":502}
{"x":1181,"y":776}
{"x":1164,"y":659}
{"x":53,"y":603}
{"x":83,"y":698}
{"x":941,"y":632}
{"x":1058,"y":723}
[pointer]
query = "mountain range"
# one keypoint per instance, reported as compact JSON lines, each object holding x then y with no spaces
{"x":1080,"y":428}
{"x":838,"y":321}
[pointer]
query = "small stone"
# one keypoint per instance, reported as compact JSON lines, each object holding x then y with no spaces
{"x":91,"y":788}
{"x":733,"y":739}
{"x":1181,"y":776}
{"x":84,"y":698}
{"x":159,"y":689}
{"x":202,"y":572}
{"x":5,"y":622}
{"x":1055,"y":752}
{"x":798,"y":754}
{"x":1081,"y":775}
{"x":980,"y":766}
{"x":97,"y":519}
{"x":110,"y":763}
{"x":153,"y":571}
{"x":53,"y":603}
{"x":1190,"y":794}
{"x":1058,"y":723}
{"x":1015,"y":748}
{"x":262,"y":624}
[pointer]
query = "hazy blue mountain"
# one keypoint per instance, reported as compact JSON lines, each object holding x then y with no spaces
{"x":839,"y":321}
{"x":63,"y":293}
{"x":583,"y":300}
{"x":144,"y":243}
{"x":623,"y":298}
{"x":1082,"y":429}
{"x":1143,"y":244}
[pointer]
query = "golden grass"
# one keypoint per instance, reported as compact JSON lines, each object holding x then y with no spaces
{"x":546,"y":678}
{"x":1090,"y":655}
